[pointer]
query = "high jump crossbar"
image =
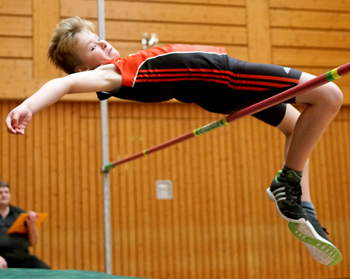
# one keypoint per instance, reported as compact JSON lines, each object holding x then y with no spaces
{"x":276,"y":99}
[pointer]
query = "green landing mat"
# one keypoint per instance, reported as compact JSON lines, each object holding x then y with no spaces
{"x":30,"y":273}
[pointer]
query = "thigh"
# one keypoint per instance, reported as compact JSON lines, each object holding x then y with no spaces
{"x":32,"y":261}
{"x":275,"y":79}
{"x":261,"y":81}
{"x":256,"y":82}
{"x":13,"y":262}
{"x":273,"y":115}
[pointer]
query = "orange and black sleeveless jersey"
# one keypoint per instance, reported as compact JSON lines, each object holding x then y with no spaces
{"x":203,"y":75}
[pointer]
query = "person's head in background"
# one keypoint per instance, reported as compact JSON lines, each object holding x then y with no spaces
{"x":5,"y":194}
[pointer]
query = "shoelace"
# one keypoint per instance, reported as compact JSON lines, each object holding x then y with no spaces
{"x":294,"y":191}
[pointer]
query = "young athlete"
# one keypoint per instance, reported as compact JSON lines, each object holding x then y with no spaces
{"x":208,"y":77}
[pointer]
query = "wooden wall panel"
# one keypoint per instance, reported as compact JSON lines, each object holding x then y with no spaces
{"x":18,"y":67}
{"x":15,"y":26}
{"x":201,"y":2}
{"x":45,"y":17}
{"x":16,"y":7}
{"x":16,"y":39}
{"x":174,"y":33}
{"x":170,"y":12}
{"x":312,"y":37}
{"x":174,"y":22}
{"x":220,"y":223}
{"x":258,"y":31}
{"x":15,"y":31}
{"x":22,"y":49}
{"x":319,"y":5}
{"x":309,"y":19}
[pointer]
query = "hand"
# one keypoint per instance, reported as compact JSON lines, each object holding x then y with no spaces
{"x":32,"y":219}
{"x":3,"y":263}
{"x":18,"y":119}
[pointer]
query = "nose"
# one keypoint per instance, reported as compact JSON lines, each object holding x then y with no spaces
{"x":103,"y":44}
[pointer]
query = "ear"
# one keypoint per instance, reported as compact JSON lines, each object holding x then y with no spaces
{"x":81,"y":68}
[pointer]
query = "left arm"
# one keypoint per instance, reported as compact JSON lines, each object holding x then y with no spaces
{"x":104,"y":78}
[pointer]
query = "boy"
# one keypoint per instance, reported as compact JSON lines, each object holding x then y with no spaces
{"x":190,"y":74}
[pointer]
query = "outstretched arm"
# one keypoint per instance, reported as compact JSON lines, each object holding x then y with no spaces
{"x":18,"y":119}
{"x":104,"y":78}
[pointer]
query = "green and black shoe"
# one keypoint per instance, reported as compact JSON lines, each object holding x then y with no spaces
{"x":285,"y":191}
{"x":316,"y":241}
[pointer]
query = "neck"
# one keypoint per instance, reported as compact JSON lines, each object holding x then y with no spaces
{"x":4,"y":210}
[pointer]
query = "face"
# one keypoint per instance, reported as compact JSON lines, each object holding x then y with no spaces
{"x":93,"y":51}
{"x":5,"y":196}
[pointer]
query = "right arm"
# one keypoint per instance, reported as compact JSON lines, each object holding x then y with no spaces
{"x":33,"y":234}
{"x":104,"y":78}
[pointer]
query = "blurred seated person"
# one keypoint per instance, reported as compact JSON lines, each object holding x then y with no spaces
{"x":14,"y":251}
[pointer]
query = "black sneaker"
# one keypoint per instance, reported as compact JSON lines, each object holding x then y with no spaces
{"x":317,"y":226}
{"x":316,"y":241}
{"x":286,"y":193}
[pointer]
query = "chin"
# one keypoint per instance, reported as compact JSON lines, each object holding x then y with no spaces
{"x":114,"y":54}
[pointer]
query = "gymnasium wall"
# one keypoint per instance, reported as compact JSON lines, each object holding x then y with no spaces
{"x":220,"y":223}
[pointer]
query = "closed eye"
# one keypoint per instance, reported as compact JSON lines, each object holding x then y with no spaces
{"x":98,"y":39}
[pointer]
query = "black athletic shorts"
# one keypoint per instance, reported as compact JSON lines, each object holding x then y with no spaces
{"x":275,"y":114}
{"x":274,"y":78}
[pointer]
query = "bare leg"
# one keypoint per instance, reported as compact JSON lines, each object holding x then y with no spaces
{"x":302,"y":132}
{"x":287,"y":127}
{"x":323,"y":104}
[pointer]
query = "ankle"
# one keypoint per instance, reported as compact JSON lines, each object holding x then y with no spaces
{"x":288,"y":174}
{"x":285,"y":169}
{"x":308,"y":207}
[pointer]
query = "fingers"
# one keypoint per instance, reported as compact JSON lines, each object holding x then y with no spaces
{"x":11,"y":123}
{"x":20,"y":132}
{"x":32,"y":217}
{"x":15,"y":121}
{"x":15,"y":131}
{"x":32,"y":214}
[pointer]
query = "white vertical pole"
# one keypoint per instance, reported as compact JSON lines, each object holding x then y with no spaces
{"x":105,"y":156}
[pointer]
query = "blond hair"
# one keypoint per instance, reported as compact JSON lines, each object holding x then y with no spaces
{"x":61,"y":49}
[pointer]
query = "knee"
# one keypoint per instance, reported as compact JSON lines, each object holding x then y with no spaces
{"x":327,"y":96}
{"x":332,"y":96}
{"x":287,"y":125}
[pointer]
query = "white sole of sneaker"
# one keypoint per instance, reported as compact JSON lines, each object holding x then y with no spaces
{"x":272,"y":197}
{"x":319,"y":248}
